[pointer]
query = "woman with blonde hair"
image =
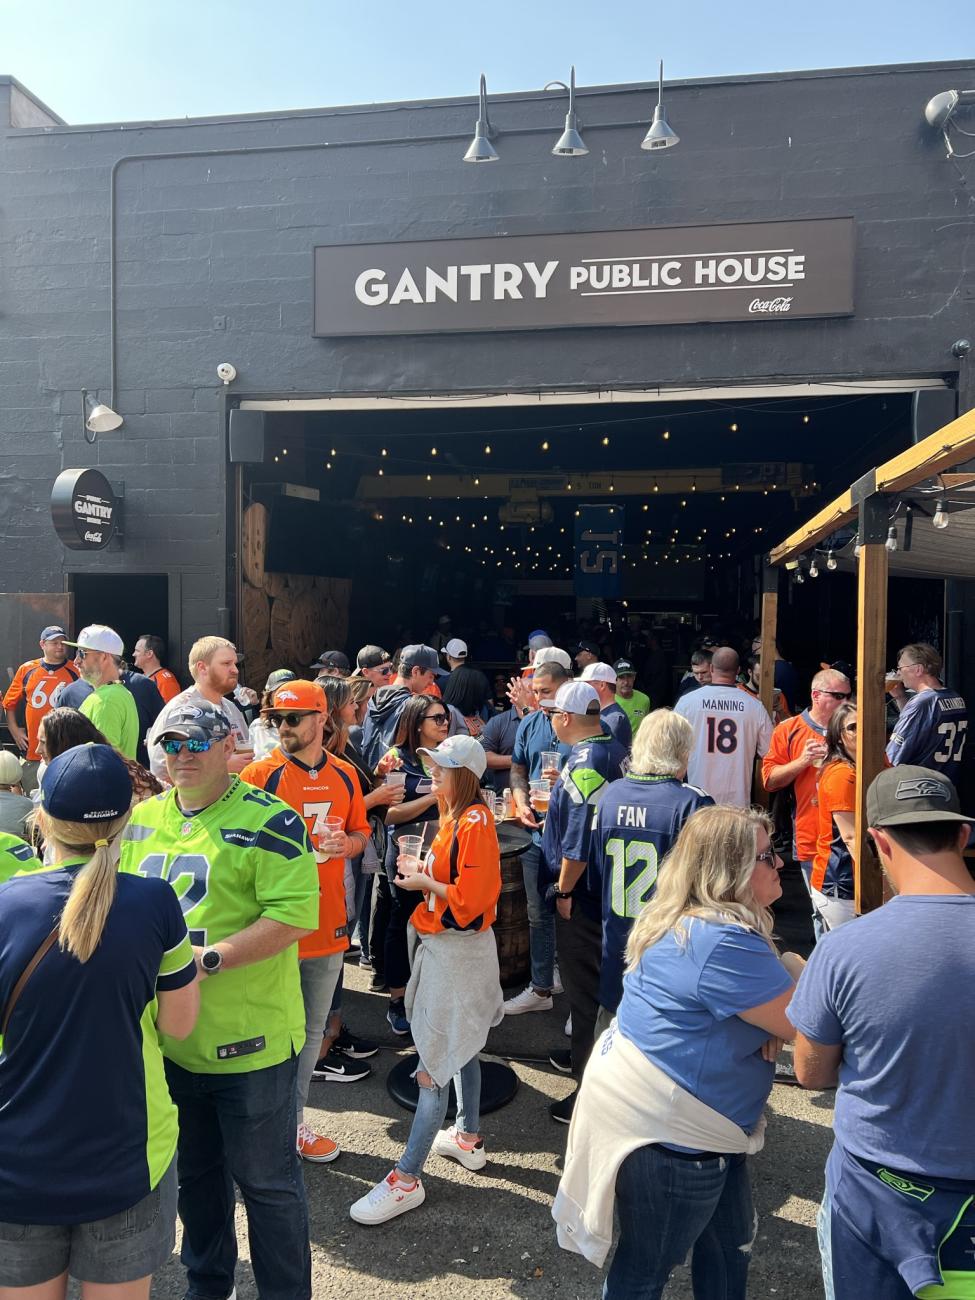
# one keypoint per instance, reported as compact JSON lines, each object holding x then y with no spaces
{"x":87,"y":1127}
{"x":673,"y":1097}
{"x":454,"y":994}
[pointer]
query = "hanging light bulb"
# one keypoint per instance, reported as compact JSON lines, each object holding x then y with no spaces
{"x":831,"y":563}
{"x":813,"y":568}
{"x":857,"y":548}
{"x":799,"y":577}
{"x":940,"y":519}
{"x":891,"y":542}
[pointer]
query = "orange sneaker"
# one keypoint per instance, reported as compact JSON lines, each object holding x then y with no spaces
{"x":312,"y":1146}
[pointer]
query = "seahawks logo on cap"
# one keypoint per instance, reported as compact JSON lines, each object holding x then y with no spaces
{"x":189,"y":712}
{"x":922,"y":789}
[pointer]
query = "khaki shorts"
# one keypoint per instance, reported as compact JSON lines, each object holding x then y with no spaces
{"x":121,"y":1248}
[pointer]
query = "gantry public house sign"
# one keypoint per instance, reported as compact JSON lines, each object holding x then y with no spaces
{"x":85,"y":509}
{"x":664,"y":276}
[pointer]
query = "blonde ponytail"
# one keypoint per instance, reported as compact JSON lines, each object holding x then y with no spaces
{"x":93,"y":891}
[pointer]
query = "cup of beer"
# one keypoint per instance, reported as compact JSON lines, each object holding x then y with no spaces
{"x":538,"y":795}
{"x":408,"y":860}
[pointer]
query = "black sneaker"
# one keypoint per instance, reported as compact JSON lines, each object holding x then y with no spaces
{"x":561,"y":1111}
{"x":336,"y":1068}
{"x":561,"y":1059}
{"x":349,"y":1045}
{"x":378,"y":983}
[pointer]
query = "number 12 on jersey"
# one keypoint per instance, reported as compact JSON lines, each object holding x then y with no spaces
{"x":630,"y":888}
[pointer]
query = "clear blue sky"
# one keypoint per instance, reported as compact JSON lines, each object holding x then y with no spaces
{"x":125,"y":60}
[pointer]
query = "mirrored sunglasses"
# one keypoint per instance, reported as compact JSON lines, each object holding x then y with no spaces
{"x":194,"y":746}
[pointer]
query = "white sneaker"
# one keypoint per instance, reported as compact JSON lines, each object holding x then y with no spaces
{"x":387,"y":1200}
{"x":557,"y":981}
{"x":527,"y":1000}
{"x":447,"y":1143}
{"x":568,"y":1028}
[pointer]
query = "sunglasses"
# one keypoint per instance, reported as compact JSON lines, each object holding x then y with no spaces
{"x":194,"y":746}
{"x":835,"y":695}
{"x":441,"y":719}
{"x":292,"y":719}
{"x":768,"y":857}
{"x":385,"y":669}
{"x":851,"y":726}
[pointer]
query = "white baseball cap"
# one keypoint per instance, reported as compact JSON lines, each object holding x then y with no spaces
{"x":99,"y":637}
{"x":598,"y":673}
{"x":456,"y":649}
{"x":459,"y":751}
{"x":573,"y":697}
{"x":551,"y":654}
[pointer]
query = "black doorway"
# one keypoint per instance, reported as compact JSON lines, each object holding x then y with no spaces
{"x":131,"y":604}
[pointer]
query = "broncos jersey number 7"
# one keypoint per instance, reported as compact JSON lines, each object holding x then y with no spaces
{"x":630,"y":890}
{"x":189,"y":875}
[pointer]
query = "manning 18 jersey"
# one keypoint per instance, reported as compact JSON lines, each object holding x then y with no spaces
{"x":16,"y":857}
{"x":931,"y":732}
{"x":35,"y":683}
{"x":245,"y":857}
{"x":731,"y":727}
{"x":639,"y":819}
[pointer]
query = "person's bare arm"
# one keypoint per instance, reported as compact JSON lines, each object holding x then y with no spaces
{"x":498,"y":762}
{"x":846,"y":825}
{"x":817,"y":1065}
{"x":410,"y":810}
{"x":518,"y":780}
{"x":177,"y":1010}
{"x":771,"y":1016}
{"x":262,"y":939}
{"x":784,"y":774}
{"x":16,"y":730}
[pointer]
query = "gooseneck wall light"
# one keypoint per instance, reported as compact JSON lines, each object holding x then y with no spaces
{"x":661,"y":134}
{"x":570,"y":143}
{"x":481,"y":149}
{"x":940,"y":112}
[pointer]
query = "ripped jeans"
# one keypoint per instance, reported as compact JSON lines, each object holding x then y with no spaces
{"x":431,"y":1110}
{"x":670,"y":1204}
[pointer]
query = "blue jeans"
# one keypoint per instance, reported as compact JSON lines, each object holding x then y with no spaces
{"x":240,"y":1128}
{"x":541,"y":922}
{"x":431,"y":1111}
{"x":319,"y":975}
{"x":818,"y":928}
{"x":359,"y":920}
{"x":669,"y":1205}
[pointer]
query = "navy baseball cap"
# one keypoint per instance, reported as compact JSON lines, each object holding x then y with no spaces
{"x":52,"y":633}
{"x":196,"y":722}
{"x":418,"y":656}
{"x":332,"y":659}
{"x":590,"y":647}
{"x":89,"y":783}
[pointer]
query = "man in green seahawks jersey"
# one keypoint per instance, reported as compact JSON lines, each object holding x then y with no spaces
{"x":16,"y":857}
{"x":242,"y":866}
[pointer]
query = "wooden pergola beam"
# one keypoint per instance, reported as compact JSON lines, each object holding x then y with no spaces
{"x":941,"y":451}
{"x":871,"y":655}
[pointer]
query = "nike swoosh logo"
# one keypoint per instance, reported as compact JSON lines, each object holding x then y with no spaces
{"x":289,"y":820}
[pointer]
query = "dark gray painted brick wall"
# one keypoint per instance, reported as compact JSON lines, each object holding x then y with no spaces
{"x":215,"y":264}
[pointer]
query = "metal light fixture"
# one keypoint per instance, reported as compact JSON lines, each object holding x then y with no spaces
{"x":939,"y":112}
{"x":661,"y":134}
{"x":481,"y":149}
{"x":940,"y":519}
{"x":570,"y":143}
{"x":97,"y":417}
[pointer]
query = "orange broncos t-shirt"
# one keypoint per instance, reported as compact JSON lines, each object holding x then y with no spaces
{"x":788,"y":741}
{"x":470,"y":867}
{"x":330,"y":790}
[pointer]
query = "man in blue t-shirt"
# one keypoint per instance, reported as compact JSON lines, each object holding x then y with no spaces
{"x":933,"y":723}
{"x":595,"y":759}
{"x":534,"y":738}
{"x":639,"y":818}
{"x":886,"y":1007}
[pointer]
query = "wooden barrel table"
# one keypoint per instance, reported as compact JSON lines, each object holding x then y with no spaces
{"x":511,"y":926}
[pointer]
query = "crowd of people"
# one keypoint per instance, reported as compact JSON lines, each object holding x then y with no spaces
{"x":184,"y":873}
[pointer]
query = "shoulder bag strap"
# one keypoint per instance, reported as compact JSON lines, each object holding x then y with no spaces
{"x":31,"y":966}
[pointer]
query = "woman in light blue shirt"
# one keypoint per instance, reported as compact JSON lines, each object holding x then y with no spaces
{"x":704,"y":1000}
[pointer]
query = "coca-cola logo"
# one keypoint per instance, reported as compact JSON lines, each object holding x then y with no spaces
{"x":765,"y":306}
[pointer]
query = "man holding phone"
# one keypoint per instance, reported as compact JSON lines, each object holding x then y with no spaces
{"x":325,"y":791}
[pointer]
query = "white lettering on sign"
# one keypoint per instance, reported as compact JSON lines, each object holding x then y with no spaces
{"x":92,"y":537}
{"x":497,"y":281}
{"x":92,"y":508}
{"x":766,"y":305}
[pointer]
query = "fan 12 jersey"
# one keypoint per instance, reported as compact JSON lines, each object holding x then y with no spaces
{"x":639,"y":819}
{"x":731,"y":727}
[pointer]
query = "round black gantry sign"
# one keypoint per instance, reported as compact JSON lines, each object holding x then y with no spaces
{"x":85,"y":509}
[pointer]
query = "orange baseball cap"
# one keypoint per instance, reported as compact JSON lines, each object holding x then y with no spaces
{"x":301,"y":696}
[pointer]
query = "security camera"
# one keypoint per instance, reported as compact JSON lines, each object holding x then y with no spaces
{"x":961,"y":348}
{"x":226,"y":372}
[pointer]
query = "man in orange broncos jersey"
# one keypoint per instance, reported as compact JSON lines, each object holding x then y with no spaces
{"x":34,"y":683}
{"x":324,"y":790}
{"x":147,"y":655}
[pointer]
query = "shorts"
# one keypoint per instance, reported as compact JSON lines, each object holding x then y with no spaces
{"x":121,"y":1248}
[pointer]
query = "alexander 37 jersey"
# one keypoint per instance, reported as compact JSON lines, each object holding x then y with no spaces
{"x":244,"y":857}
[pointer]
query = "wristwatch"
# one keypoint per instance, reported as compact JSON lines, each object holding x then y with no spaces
{"x":211,"y":960}
{"x":553,"y":891}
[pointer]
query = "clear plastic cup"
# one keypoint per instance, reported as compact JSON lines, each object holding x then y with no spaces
{"x":408,"y":859}
{"x":539,"y":793}
{"x":325,"y":832}
{"x":396,"y":778}
{"x":551,"y":765}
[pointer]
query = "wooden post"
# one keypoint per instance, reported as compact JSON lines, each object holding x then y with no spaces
{"x":871,"y":665}
{"x":766,"y":667}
